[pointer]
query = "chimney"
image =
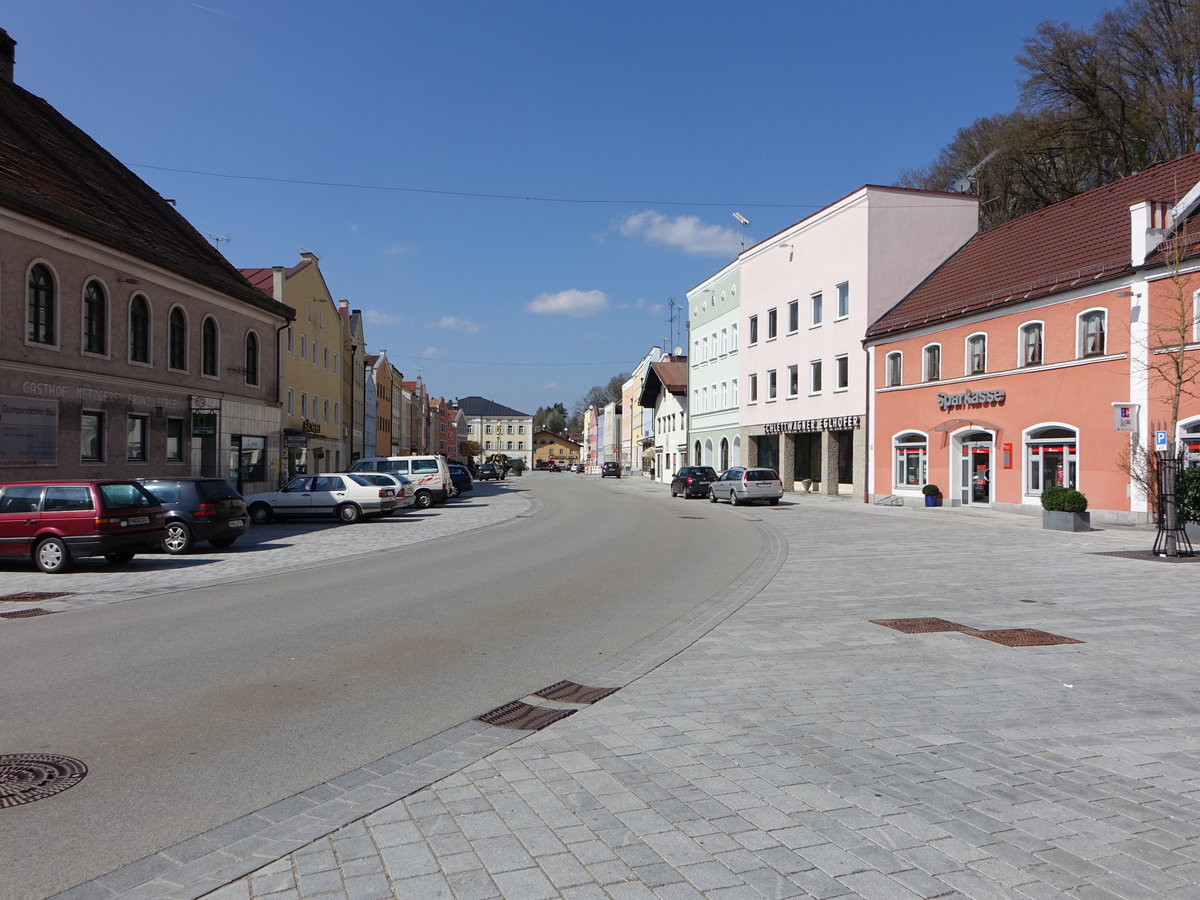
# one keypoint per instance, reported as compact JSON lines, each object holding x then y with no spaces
{"x":8,"y":56}
{"x":277,"y":283}
{"x":344,"y":307}
{"x":1149,"y":223}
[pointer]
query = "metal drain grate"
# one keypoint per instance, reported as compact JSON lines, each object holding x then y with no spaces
{"x":1024,"y":637}
{"x":27,"y":613}
{"x":32,"y":596}
{"x":570,"y":692}
{"x":920,"y":626}
{"x":1148,"y":555}
{"x":519,"y":714}
{"x":27,"y":777}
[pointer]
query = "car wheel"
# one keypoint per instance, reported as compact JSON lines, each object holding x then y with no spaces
{"x":733,"y":499}
{"x":424,"y":499}
{"x":261,"y":514}
{"x":178,"y":539}
{"x":223,"y":541}
{"x":712,"y":497}
{"x":120,"y":557}
{"x":348,"y":513}
{"x":52,"y":556}
{"x":774,"y":501}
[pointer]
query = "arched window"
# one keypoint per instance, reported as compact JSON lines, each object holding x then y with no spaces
{"x":1031,"y":344}
{"x":724,"y":454}
{"x":911,"y":452}
{"x":696,"y":454}
{"x":1091,"y":333}
{"x":139,"y":329}
{"x":177,"y":340}
{"x":208,"y":346}
{"x":251,"y":358}
{"x":1050,"y":458}
{"x":42,"y":302}
{"x":95,"y":318}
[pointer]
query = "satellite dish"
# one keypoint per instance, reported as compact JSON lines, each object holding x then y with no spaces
{"x":679,"y":351}
{"x":960,"y":186}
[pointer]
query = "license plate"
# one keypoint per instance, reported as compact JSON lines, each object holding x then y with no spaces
{"x":236,"y":523}
{"x":138,"y":520}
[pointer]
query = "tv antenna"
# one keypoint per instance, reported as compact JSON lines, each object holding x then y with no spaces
{"x":745,"y":222}
{"x":672,"y":306}
{"x":216,"y":238}
{"x":963,"y":184}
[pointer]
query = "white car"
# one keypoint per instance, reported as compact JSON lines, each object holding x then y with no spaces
{"x":742,"y":485}
{"x":406,"y":493}
{"x":347,"y":496}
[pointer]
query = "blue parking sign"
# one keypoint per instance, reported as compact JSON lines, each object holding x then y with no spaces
{"x":1160,"y":440}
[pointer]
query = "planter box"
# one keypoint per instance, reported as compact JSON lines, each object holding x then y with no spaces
{"x":1055,"y":520}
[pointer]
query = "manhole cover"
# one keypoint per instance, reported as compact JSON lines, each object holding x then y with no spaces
{"x":570,"y":692}
{"x":1024,"y":637}
{"x":26,"y":613}
{"x":32,"y":596}
{"x":519,"y":714}
{"x":27,"y":777}
{"x":920,"y":626}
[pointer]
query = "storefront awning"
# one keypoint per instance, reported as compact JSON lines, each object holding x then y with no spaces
{"x":955,"y":424}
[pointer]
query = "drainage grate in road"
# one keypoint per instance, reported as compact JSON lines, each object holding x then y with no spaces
{"x":32,"y":596}
{"x":26,"y":777}
{"x":27,"y":613}
{"x":920,"y":626}
{"x":1024,"y":637}
{"x":1149,"y":555}
{"x":570,"y":692}
{"x":519,"y":714}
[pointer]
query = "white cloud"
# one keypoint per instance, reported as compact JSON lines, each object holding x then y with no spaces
{"x":454,"y":323}
{"x":430,"y":352}
{"x":569,"y":303}
{"x":397,"y":249}
{"x":686,"y":233}
{"x":375,"y":317}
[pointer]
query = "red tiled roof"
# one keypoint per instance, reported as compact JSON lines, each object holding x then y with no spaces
{"x":671,"y":375}
{"x":1081,"y":240}
{"x":52,"y":171}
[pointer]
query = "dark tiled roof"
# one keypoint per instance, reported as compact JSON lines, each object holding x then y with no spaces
{"x":671,"y":375}
{"x":1082,"y":240}
{"x":481,"y":406}
{"x":52,"y":171}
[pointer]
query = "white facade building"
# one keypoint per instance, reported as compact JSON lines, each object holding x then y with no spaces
{"x":713,"y":394}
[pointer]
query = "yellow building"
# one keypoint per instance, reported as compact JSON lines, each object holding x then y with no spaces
{"x":315,"y":426}
{"x":552,"y":447}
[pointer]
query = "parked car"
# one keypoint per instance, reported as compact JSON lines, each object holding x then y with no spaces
{"x":56,"y":522}
{"x":406,"y":494}
{"x":745,"y":485}
{"x":610,"y":468}
{"x":460,"y":476}
{"x":346,"y":495}
{"x":490,"y":471}
{"x":430,"y":475}
{"x":198,"y":509}
{"x":692,"y":481}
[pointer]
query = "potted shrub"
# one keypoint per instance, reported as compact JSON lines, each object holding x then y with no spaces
{"x":1065,"y":509}
{"x":933,"y":495}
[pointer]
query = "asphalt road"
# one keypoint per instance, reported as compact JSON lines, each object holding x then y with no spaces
{"x":193,"y":708}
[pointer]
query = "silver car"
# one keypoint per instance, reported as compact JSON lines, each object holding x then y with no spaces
{"x":346,"y":496}
{"x":406,"y":493}
{"x":745,"y":485}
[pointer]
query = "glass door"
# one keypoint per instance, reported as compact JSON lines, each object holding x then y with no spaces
{"x":975,"y":471}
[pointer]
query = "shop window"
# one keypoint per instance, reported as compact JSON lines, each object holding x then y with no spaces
{"x":977,"y":354}
{"x":895,"y":371}
{"x":911,"y":452}
{"x":933,"y":362}
{"x":139,"y":329}
{"x":1189,"y":435}
{"x":1091,"y":333}
{"x":43,"y":303}
{"x":1031,"y":344}
{"x":1050,"y":458}
{"x":95,"y":318}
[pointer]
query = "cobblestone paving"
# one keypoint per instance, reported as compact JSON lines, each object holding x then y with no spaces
{"x":795,"y":749}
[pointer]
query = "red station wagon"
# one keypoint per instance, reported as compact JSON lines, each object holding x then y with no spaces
{"x":56,"y":522}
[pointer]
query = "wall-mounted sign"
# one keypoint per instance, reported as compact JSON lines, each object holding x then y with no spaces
{"x":969,"y":398}
{"x":28,"y":432}
{"x":836,"y":423}
{"x":1125,"y":416}
{"x":310,"y":427}
{"x":1006,"y":450}
{"x":204,"y":424}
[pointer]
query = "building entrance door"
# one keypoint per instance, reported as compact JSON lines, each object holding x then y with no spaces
{"x":975,"y":469}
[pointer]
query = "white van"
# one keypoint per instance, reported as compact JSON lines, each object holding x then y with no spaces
{"x":430,"y":475}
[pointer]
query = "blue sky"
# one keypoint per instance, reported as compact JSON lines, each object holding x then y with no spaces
{"x":511,"y":192}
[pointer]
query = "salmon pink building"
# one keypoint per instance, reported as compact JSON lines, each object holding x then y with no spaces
{"x":1038,"y":354}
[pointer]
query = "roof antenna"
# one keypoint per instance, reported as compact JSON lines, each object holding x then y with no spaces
{"x":963,"y":184}
{"x":745,"y":222}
